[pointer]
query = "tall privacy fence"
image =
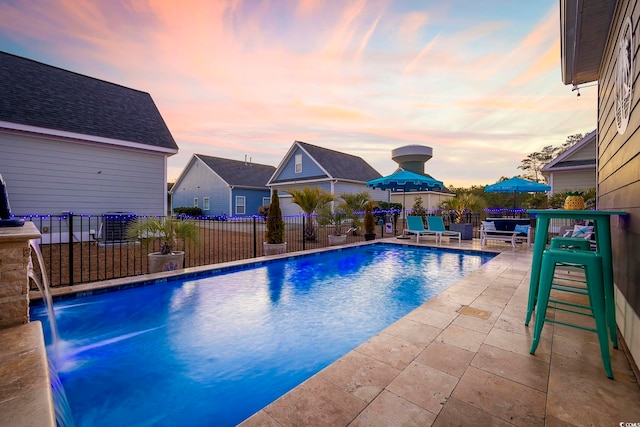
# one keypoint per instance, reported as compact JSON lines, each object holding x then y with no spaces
{"x":89,"y":248}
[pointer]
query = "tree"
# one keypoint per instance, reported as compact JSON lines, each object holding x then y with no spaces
{"x":534,"y":162}
{"x":275,"y":224}
{"x":310,"y":199}
{"x":418,"y":209}
{"x":355,"y":203}
{"x":463,"y":203}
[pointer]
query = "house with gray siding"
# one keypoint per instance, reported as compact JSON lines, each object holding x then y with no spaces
{"x":575,"y":169}
{"x":309,"y":165}
{"x":73,"y":143}
{"x":599,"y":43}
{"x":222,"y":187}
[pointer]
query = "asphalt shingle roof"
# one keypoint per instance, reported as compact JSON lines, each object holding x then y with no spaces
{"x":238,"y":173}
{"x":36,"y":94}
{"x":340,"y":165}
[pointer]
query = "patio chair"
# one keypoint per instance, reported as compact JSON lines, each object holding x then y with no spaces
{"x":436,"y":224}
{"x":416,"y":226}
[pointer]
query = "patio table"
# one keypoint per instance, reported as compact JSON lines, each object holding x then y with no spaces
{"x":602,"y":221}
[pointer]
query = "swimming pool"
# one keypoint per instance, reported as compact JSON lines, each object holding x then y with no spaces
{"x":213,"y":350}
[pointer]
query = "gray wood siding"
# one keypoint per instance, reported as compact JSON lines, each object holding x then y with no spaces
{"x":587,"y":152}
{"x":573,"y":181}
{"x":619,"y":162}
{"x":199,"y":181}
{"x":46,"y":176}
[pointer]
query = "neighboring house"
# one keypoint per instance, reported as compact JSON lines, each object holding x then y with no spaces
{"x":222,"y":186}
{"x":73,"y":143}
{"x":575,"y":169}
{"x":333,"y":171}
{"x":599,"y":42}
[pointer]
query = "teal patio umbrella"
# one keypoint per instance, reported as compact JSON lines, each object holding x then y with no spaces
{"x":404,"y":181}
{"x":517,"y":185}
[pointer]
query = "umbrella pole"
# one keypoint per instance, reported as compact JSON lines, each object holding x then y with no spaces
{"x":404,"y":215}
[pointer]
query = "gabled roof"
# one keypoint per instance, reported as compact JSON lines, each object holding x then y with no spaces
{"x":563,"y":161}
{"x":337,"y":165}
{"x":238,"y":173}
{"x":43,"y":96}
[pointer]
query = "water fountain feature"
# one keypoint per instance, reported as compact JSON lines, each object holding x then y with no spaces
{"x":60,"y":401}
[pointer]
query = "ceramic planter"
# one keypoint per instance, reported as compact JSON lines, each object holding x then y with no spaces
{"x":274,"y":248}
{"x":339,"y":239}
{"x":466,"y":230}
{"x":369,"y":236}
{"x":170,"y":262}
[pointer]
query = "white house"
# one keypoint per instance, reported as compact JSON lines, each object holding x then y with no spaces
{"x":73,"y":143}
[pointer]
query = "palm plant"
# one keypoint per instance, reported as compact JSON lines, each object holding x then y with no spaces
{"x":355,"y":203}
{"x":310,"y":200}
{"x":168,"y":231}
{"x":465,"y":202}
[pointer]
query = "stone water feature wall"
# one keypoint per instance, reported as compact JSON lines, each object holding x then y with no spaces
{"x":25,"y":391}
{"x":14,"y":283}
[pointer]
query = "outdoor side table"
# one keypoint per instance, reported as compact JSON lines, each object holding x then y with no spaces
{"x":602,"y":220}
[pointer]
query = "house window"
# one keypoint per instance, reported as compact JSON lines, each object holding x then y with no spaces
{"x":205,"y":204}
{"x":195,"y":202}
{"x":240,"y":205}
{"x":298,"y":163}
{"x":266,"y":201}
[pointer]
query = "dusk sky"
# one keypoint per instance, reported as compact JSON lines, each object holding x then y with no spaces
{"x":478,"y":81}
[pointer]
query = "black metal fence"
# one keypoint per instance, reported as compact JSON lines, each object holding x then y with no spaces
{"x":89,"y":248}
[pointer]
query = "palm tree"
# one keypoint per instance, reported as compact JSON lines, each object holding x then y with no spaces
{"x":355,"y":203}
{"x":310,"y":199}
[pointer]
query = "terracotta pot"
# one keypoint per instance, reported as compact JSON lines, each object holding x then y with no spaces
{"x":170,"y":262}
{"x":274,"y":248}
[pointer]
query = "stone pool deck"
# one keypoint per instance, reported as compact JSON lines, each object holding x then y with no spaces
{"x":461,"y":358}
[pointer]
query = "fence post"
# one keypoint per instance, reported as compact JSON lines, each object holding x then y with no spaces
{"x":70,"y":249}
{"x":255,"y":238}
{"x":304,"y":218}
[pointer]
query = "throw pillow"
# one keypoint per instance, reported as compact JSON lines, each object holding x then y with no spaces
{"x":522,"y":229}
{"x":489,"y":225}
{"x":583,"y":231}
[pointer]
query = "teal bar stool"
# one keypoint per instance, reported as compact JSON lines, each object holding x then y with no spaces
{"x":591,"y":262}
{"x":570,"y":243}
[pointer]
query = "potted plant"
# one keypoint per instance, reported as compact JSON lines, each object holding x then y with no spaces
{"x":369,"y":222}
{"x":310,"y":199}
{"x":168,"y":232}
{"x":460,"y":206}
{"x":274,"y":234}
{"x":335,"y":218}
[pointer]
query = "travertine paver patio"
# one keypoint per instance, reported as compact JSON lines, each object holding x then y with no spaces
{"x":463,"y":358}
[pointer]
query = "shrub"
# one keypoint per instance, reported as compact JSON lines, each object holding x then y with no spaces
{"x":188,"y":211}
{"x":275,"y":223}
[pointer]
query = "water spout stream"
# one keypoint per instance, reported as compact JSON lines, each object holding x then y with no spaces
{"x":61,"y":404}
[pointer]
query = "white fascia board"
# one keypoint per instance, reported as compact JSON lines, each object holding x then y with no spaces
{"x":82,"y":138}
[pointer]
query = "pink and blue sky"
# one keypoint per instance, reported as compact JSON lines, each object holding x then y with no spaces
{"x":478,"y":81}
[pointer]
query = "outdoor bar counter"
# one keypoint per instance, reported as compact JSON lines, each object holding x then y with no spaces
{"x":602,"y":221}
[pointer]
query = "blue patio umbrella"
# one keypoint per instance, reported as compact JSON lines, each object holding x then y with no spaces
{"x":517,"y":185}
{"x":404,"y":181}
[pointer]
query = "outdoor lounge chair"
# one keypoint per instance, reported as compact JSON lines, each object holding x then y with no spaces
{"x":415,"y":226}
{"x":436,"y":225}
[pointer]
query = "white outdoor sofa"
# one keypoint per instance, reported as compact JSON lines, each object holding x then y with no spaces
{"x":505,"y":231}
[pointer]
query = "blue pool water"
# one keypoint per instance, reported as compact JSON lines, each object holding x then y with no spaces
{"x":213,"y":350}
